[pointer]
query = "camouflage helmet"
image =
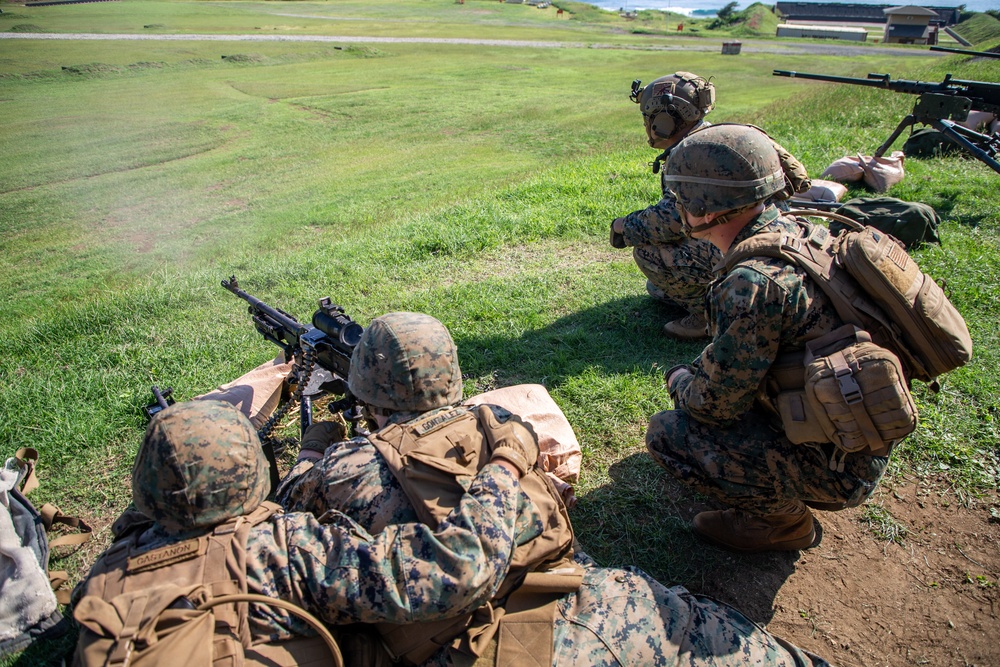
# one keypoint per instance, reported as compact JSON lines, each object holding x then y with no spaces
{"x":406,"y":362}
{"x":200,"y":464}
{"x":672,"y":105}
{"x":722,"y":168}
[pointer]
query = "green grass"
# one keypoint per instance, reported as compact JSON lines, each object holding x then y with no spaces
{"x":472,"y":183}
{"x":981,"y":29}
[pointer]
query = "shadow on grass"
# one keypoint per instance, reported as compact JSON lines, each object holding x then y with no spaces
{"x":643,"y":518}
{"x":617,"y":337}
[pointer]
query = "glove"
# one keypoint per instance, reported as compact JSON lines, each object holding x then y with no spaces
{"x":321,"y":435}
{"x":510,"y":441}
{"x":617,"y":240}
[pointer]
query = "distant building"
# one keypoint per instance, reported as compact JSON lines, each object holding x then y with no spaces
{"x":910,"y":24}
{"x":839,"y":12}
{"x":823,"y":32}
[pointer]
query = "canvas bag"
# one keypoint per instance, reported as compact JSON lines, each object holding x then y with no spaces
{"x":29,"y":592}
{"x":875,"y":285}
{"x":913,"y":223}
{"x":878,"y":173}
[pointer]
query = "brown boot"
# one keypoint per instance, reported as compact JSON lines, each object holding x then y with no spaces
{"x":689,"y":327}
{"x":737,"y":530}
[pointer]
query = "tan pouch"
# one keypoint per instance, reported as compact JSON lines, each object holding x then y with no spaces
{"x":858,"y":395}
{"x":797,"y":418}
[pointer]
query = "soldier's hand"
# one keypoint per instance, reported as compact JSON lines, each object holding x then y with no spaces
{"x":617,"y":233}
{"x":321,"y":435}
{"x":510,"y":441}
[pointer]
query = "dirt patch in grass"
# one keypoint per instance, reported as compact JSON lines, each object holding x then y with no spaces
{"x":928,"y":597}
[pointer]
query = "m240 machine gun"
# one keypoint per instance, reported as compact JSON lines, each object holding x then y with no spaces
{"x":940,"y":105}
{"x":322,"y":360}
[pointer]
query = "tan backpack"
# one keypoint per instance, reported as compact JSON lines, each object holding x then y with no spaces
{"x":876,"y":286}
{"x":851,"y":387}
{"x":851,"y":392}
{"x":431,"y":456}
{"x":185,"y":604}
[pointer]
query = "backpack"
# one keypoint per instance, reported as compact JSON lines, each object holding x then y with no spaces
{"x":876,"y":286}
{"x":431,"y":456}
{"x":29,"y":592}
{"x":185,"y":603}
{"x":913,"y":223}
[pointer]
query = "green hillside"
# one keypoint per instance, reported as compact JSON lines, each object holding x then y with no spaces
{"x":980,"y":29}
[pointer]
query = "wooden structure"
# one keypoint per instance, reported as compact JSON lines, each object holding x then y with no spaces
{"x":909,"y":24}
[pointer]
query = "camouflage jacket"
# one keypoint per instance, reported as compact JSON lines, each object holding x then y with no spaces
{"x":402,"y":572}
{"x":619,"y":616}
{"x":761,"y":308}
{"x":658,"y":224}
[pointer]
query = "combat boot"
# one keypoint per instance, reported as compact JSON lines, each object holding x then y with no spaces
{"x":790,"y":529}
{"x":689,"y":327}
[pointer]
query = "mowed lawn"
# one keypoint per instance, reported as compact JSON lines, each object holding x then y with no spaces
{"x":475,"y":183}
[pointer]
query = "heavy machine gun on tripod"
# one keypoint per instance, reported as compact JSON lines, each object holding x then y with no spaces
{"x":941,"y":105}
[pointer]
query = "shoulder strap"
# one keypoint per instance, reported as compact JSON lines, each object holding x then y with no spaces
{"x":816,"y":255}
{"x":27,"y":460}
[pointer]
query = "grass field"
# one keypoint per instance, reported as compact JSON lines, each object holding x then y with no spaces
{"x":473,"y":183}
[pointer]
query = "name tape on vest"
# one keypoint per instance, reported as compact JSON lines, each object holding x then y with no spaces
{"x":175,"y":553}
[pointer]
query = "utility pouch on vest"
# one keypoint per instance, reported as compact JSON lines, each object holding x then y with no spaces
{"x":854,"y":396}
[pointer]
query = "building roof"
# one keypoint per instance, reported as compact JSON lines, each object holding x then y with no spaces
{"x":911,"y":10}
{"x":843,"y":12}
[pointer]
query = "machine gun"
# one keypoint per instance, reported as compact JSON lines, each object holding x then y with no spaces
{"x":322,"y":360}
{"x":940,"y":105}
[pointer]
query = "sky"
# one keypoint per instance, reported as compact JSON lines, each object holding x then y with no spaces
{"x":687,"y":6}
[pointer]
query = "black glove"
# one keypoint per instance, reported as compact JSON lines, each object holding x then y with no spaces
{"x":617,"y":240}
{"x":511,"y":440}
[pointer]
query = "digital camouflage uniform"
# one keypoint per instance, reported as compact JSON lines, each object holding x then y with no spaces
{"x":617,"y":617}
{"x":327,"y":564}
{"x":678,"y":268}
{"x":718,"y":439}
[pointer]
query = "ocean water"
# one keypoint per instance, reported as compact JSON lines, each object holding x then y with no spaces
{"x":701,"y":8}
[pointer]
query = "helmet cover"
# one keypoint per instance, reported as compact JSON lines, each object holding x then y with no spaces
{"x":722,"y":168}
{"x":406,"y":362}
{"x":200,"y":464}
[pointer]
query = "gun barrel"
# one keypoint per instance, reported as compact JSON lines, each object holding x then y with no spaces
{"x":279,"y":318}
{"x":981,"y":54}
{"x":872,"y":82}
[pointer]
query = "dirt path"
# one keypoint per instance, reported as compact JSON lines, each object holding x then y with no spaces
{"x":686,"y":44}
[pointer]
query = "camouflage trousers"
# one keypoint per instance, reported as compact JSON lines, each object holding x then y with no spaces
{"x":625,"y":617}
{"x":753,"y":466}
{"x":678,"y":273}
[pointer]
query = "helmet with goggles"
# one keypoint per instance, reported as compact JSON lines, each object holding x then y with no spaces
{"x":672,"y":105}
